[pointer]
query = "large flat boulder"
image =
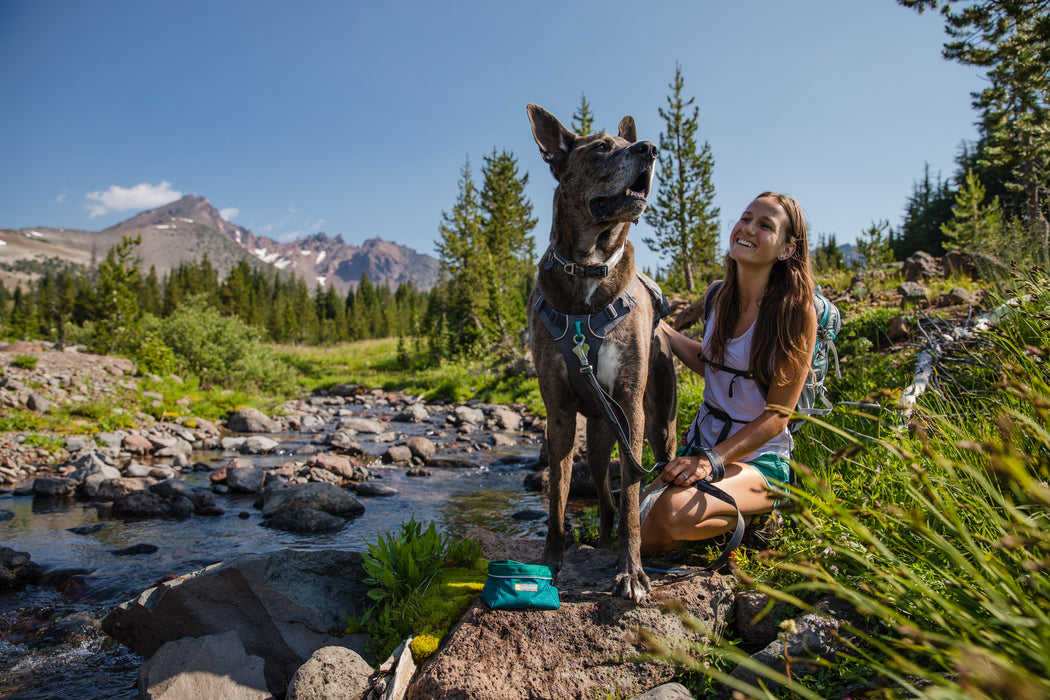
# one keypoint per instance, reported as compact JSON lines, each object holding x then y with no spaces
{"x":283,"y":605}
{"x":593,"y":646}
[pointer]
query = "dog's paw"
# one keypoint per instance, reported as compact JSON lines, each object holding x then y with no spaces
{"x":634,"y":586}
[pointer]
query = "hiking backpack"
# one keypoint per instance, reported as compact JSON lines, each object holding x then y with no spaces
{"x":829,"y":323}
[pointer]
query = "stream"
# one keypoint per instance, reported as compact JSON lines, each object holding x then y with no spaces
{"x":50,"y":644}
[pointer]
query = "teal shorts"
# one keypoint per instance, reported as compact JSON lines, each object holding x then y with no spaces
{"x":775,"y":469}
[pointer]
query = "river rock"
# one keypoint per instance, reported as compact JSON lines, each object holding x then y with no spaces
{"x":178,"y":447}
{"x":331,"y":673}
{"x":54,"y":487}
{"x":6,"y":515}
{"x":91,"y":472}
{"x":114,"y":489}
{"x":305,"y":521}
{"x":505,"y":419}
{"x":245,"y":479}
{"x":259,"y":445}
{"x":142,"y":504}
{"x":591,"y":644}
{"x":172,"y":489}
{"x":212,"y":666}
{"x":362,"y":425}
{"x":413,"y":413}
{"x":315,"y":495}
{"x":467,"y":416}
{"x":283,"y":605}
{"x":339,"y":465}
{"x":371,"y":488}
{"x":17,"y":570}
{"x":397,"y":454}
{"x":251,"y":420}
{"x":422,"y":447}
{"x":135,"y":549}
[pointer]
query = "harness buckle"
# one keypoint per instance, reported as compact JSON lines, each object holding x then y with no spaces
{"x":569,"y":268}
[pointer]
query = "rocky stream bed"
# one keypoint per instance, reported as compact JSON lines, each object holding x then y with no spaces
{"x":189,"y":559}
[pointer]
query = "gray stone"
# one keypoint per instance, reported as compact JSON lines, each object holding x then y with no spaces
{"x":38,"y":403}
{"x":331,"y":673}
{"x":398,"y":454}
{"x":362,"y":425}
{"x":245,"y":479}
{"x":177,"y":447}
{"x":413,"y":413}
{"x":53,"y":487}
{"x":305,"y":521}
{"x":667,"y":691}
{"x":251,"y":420}
{"x":283,"y":605}
{"x":212,"y":666}
{"x":422,"y":447}
{"x":315,"y":495}
{"x":17,"y":570}
{"x":259,"y":445}
{"x":506,"y":419}
{"x":371,"y":488}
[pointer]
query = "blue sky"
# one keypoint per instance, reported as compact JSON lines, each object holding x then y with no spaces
{"x":356,"y":118}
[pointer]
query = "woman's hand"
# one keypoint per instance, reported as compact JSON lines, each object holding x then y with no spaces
{"x":685,"y":471}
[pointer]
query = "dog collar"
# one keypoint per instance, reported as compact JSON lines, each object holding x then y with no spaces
{"x":575,"y":269}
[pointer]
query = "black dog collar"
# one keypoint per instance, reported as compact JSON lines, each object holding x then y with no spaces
{"x":574,"y":269}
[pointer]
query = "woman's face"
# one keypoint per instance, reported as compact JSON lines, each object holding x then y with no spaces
{"x":760,"y":236}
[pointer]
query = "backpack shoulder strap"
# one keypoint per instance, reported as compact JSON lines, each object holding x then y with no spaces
{"x":709,"y":299}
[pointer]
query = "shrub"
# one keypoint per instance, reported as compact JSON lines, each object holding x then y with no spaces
{"x":223,"y":350}
{"x":25,"y":361}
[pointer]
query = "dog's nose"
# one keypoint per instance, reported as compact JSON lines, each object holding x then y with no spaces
{"x":645,"y":148}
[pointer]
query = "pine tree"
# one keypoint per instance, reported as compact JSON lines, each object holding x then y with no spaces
{"x":684,"y":216}
{"x":506,"y":228}
{"x":118,"y":323}
{"x":874,"y":244}
{"x":1011,"y":40}
{"x":464,"y":258}
{"x":973,"y":224}
{"x":583,"y":118}
{"x":928,"y":207}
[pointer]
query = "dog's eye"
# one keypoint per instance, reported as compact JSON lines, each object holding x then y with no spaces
{"x":601,"y":147}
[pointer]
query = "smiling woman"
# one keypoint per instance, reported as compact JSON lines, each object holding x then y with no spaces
{"x":754,"y":357}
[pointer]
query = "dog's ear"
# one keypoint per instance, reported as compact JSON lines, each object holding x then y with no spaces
{"x":554,"y":140}
{"x":627,"y":129}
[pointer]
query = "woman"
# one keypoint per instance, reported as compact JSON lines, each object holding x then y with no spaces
{"x":755,"y":355}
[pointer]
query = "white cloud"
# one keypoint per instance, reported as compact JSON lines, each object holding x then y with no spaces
{"x":141,"y":196}
{"x":60,"y":197}
{"x":230,"y":213}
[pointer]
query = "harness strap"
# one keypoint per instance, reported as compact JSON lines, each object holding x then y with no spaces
{"x":580,"y":337}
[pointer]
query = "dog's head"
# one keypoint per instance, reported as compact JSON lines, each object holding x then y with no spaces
{"x":602,"y":177}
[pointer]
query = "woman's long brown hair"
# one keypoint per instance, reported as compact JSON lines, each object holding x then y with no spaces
{"x":785,"y":312}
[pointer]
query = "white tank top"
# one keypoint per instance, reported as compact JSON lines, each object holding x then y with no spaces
{"x":741,"y":398}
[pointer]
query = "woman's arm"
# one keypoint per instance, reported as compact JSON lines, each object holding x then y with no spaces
{"x":753,"y":435}
{"x":683,"y":347}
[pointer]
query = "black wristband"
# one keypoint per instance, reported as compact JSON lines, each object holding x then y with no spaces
{"x":718,"y":468}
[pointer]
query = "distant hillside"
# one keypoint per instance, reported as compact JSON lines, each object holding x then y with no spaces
{"x":191,"y":227}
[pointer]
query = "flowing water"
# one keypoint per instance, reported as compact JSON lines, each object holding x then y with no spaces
{"x":50,"y":649}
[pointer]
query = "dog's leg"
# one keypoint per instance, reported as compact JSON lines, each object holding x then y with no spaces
{"x":661,"y":401}
{"x":561,"y":438}
{"x":631,"y":581}
{"x":600,"y":439}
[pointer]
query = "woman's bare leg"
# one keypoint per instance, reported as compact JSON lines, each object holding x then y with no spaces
{"x":685,"y":514}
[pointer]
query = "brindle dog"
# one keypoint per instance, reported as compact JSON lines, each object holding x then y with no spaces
{"x":603,"y":182}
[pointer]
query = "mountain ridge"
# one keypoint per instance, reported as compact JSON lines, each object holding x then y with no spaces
{"x":190,"y":227}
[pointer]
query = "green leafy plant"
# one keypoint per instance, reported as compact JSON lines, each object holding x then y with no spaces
{"x":25,"y":361}
{"x":421,"y":582}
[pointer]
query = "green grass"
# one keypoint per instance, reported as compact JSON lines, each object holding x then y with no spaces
{"x":936,"y":528}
